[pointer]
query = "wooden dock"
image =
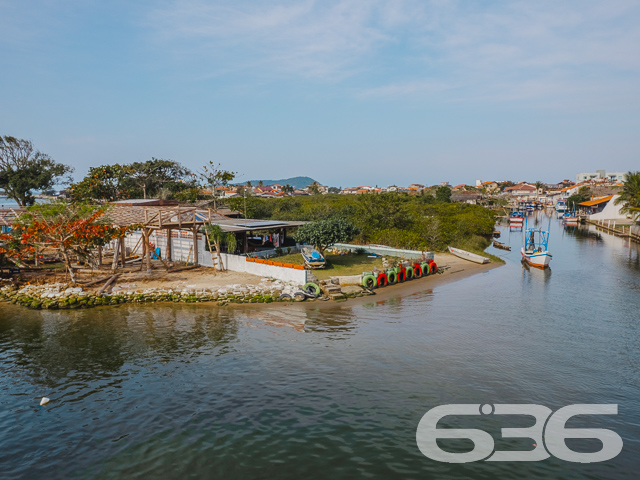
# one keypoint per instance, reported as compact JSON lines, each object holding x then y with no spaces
{"x":610,"y":227}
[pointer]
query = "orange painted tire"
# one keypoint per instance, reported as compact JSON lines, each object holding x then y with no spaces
{"x":382,"y":277}
{"x":433,"y":266}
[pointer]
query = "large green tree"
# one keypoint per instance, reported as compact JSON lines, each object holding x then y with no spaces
{"x":150,"y":179}
{"x":630,"y":195}
{"x":324,"y":233}
{"x":106,"y":183}
{"x":23,"y":169}
{"x":158,"y":173}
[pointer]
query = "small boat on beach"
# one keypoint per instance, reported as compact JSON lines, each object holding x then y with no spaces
{"x":312,"y":257}
{"x":472,"y":257}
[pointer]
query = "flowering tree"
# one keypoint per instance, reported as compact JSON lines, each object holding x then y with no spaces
{"x":69,"y":229}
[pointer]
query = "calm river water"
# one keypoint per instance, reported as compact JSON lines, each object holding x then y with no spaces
{"x":193,"y":391}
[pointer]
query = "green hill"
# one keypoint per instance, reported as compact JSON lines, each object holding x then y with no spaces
{"x":296,"y":182}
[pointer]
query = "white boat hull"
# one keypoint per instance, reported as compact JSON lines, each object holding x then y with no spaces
{"x":472,"y":257}
{"x":538,"y":259}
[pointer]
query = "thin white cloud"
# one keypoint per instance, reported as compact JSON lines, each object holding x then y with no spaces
{"x":458,"y":49}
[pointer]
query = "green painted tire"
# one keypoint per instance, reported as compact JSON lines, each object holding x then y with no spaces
{"x":369,"y":281}
{"x":312,"y":289}
{"x":392,"y":276}
{"x":409,"y":273}
{"x":426,"y":268}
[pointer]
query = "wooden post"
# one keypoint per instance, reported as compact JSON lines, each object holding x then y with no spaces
{"x":123,"y":251}
{"x":168,"y":253}
{"x":148,"y":257}
{"x":116,"y":249}
{"x":100,"y":256}
{"x":195,"y":245}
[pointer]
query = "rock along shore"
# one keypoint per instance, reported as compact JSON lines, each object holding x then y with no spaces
{"x":62,"y":297}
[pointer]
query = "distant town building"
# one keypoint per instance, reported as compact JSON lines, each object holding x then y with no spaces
{"x":490,"y":186}
{"x":600,"y":175}
{"x":522,"y":189}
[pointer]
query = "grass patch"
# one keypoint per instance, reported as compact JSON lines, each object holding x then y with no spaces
{"x":338,"y":265}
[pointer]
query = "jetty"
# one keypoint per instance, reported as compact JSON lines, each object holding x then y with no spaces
{"x":631,"y":232}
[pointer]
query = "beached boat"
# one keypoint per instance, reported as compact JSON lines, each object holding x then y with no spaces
{"x":472,"y":257}
{"x":312,"y":257}
{"x":534,"y":249}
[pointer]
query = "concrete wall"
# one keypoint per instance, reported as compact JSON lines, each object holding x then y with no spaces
{"x":182,"y":249}
{"x":392,"y":252}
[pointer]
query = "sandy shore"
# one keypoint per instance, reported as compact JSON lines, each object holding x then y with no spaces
{"x":454,"y":268}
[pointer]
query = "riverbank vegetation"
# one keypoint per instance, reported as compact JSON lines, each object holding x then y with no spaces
{"x":630,"y":195}
{"x":416,"y":222}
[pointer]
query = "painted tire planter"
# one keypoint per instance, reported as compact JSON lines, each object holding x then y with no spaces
{"x":408,"y":273}
{"x":285,"y":297}
{"x":426,"y":269}
{"x":369,"y":281}
{"x":433,"y":266}
{"x":392,"y":276}
{"x":382,"y":280}
{"x":417,"y":270}
{"x":312,"y":289}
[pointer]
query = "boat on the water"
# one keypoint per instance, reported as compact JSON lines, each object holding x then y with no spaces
{"x":312,"y":257}
{"x":501,"y":245}
{"x":535,"y":243}
{"x":561,"y":206}
{"x":472,"y":257}
{"x":516,"y":219}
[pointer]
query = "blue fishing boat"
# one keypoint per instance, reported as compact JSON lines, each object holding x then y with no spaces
{"x":535,"y":243}
{"x":312,"y":257}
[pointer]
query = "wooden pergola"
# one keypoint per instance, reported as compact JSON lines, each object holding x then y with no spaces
{"x":160,"y":217}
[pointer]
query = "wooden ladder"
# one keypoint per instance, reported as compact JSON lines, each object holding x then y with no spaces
{"x":215,"y":259}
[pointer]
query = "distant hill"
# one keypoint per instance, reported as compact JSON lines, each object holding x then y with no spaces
{"x":295,"y":182}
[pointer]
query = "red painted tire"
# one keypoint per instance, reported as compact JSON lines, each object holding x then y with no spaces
{"x":382,"y":277}
{"x":402,"y":275}
{"x":434,"y":266}
{"x":417,"y":271}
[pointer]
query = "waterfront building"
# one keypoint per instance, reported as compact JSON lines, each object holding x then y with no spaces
{"x":600,"y":175}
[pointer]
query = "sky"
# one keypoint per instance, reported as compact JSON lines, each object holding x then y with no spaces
{"x":349,"y":92}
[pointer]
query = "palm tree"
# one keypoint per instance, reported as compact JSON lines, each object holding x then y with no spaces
{"x":539,"y":185}
{"x":630,"y":195}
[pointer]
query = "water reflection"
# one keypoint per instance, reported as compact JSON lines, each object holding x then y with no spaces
{"x":50,"y":346}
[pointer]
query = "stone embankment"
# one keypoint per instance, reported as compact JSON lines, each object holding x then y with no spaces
{"x":63,"y":297}
{"x":58,"y":296}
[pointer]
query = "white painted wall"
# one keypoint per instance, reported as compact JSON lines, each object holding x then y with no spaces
{"x":182,"y":249}
{"x":610,"y":212}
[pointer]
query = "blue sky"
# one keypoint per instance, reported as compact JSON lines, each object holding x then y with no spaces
{"x":347,"y":91}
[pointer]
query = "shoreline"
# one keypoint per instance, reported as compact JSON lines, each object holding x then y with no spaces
{"x":49,"y":297}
